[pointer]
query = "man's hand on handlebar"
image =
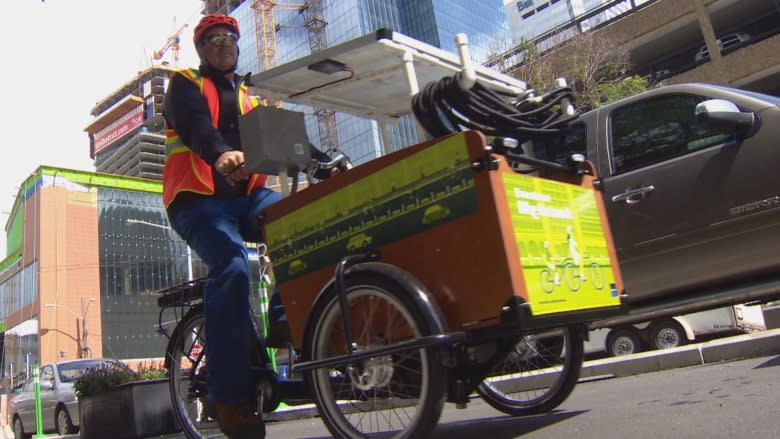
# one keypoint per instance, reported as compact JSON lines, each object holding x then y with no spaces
{"x":231,"y":165}
{"x":321,"y":169}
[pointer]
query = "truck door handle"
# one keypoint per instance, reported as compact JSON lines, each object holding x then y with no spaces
{"x":633,"y":196}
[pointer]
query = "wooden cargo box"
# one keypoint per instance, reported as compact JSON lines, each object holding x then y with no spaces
{"x":474,"y":237}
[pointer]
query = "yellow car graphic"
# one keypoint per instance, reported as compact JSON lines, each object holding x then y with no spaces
{"x":435,"y":213}
{"x":359,"y":241}
{"x":296,"y":267}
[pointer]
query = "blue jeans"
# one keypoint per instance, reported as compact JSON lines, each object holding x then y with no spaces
{"x":217,"y":231}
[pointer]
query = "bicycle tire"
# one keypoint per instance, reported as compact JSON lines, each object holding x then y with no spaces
{"x":536,"y":377}
{"x":188,"y":390}
{"x":188,"y":387}
{"x":571,"y":275}
{"x":596,"y":276}
{"x":547,"y":279}
{"x":354,"y":405}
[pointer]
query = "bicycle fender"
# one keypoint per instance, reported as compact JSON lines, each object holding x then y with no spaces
{"x":418,"y":293}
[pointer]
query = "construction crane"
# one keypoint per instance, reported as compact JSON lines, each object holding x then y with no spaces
{"x":173,"y":43}
{"x":266,"y":27}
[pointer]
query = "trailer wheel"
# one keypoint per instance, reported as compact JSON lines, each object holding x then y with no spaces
{"x":623,"y":341}
{"x":668,"y":334}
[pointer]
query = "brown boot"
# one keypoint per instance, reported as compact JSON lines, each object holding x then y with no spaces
{"x":239,"y":421}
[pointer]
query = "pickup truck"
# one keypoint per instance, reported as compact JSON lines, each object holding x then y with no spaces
{"x":692,"y":195}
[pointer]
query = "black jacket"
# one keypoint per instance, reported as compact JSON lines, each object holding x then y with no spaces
{"x":187,"y":112}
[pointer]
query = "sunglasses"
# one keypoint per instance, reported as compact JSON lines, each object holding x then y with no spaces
{"x":228,"y":38}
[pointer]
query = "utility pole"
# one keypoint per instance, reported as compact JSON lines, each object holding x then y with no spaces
{"x":83,"y":338}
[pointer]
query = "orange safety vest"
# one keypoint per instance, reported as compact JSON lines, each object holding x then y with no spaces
{"x":184,"y":169}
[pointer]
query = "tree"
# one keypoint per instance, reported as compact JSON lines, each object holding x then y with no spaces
{"x":593,"y":65}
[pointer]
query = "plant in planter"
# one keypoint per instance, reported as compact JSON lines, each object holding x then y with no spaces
{"x":120,"y":403}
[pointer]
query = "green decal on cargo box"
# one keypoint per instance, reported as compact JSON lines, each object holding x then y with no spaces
{"x":424,"y":190}
{"x":562,"y":247}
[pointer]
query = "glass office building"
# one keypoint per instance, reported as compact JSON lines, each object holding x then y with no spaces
{"x":528,"y":19}
{"x":86,"y":254}
{"x":435,"y":22}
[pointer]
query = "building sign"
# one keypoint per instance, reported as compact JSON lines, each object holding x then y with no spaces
{"x":524,"y":4}
{"x":106,"y":136}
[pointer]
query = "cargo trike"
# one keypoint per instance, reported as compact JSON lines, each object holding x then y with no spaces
{"x":416,"y":279}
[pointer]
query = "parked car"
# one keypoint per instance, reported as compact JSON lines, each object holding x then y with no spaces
{"x":691,"y":195}
{"x":724,"y":43}
{"x":59,"y":406}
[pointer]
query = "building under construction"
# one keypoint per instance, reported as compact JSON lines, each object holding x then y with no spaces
{"x":125,"y":138}
{"x":279,"y":32}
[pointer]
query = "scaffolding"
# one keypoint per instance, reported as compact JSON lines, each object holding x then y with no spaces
{"x":314,"y":22}
{"x":220,"y":6}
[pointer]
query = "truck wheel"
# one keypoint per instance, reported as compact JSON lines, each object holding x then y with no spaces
{"x":668,"y":334}
{"x":623,"y":342}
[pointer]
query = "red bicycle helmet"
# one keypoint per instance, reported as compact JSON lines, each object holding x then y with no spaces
{"x":211,"y":20}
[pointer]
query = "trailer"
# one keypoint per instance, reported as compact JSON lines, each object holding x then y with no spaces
{"x":670,"y":332}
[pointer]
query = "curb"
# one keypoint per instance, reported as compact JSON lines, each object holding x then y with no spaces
{"x":756,"y":344}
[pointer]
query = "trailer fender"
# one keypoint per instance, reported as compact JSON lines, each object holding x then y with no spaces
{"x":689,"y":334}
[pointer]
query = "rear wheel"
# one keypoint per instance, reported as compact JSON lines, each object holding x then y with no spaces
{"x":397,"y":395}
{"x":668,"y":334}
{"x":187,"y":354}
{"x":537,"y":375}
{"x":596,"y":276}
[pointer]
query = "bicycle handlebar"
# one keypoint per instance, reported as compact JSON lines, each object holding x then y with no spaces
{"x":321,"y":170}
{"x":336,"y":161}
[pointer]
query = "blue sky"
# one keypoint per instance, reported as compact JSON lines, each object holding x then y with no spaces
{"x":62,"y":56}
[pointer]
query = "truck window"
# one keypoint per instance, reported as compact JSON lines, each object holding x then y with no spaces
{"x":558,"y":147}
{"x":658,"y":129}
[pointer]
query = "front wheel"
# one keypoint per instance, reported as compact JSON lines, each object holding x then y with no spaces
{"x":547,"y":279}
{"x":537,"y":375}
{"x":64,"y":422}
{"x":572,"y":276}
{"x":623,"y":342}
{"x":396,"y":395}
{"x":18,"y":429}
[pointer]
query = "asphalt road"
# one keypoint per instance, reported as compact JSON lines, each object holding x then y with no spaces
{"x":728,"y":388}
{"x":737,"y":399}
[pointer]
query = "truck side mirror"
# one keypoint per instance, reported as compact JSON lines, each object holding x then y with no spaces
{"x":724,"y":116}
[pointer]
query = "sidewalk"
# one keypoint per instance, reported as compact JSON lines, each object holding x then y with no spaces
{"x":756,"y":344}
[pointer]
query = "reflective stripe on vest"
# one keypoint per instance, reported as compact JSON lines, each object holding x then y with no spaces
{"x":184,"y":169}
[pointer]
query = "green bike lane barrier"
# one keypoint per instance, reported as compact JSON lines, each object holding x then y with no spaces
{"x":37,"y":393}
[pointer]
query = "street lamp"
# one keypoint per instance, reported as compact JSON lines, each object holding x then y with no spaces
{"x":130,"y":222}
{"x":85,"y":351}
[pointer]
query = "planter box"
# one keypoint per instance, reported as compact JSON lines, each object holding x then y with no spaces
{"x":133,"y":410}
